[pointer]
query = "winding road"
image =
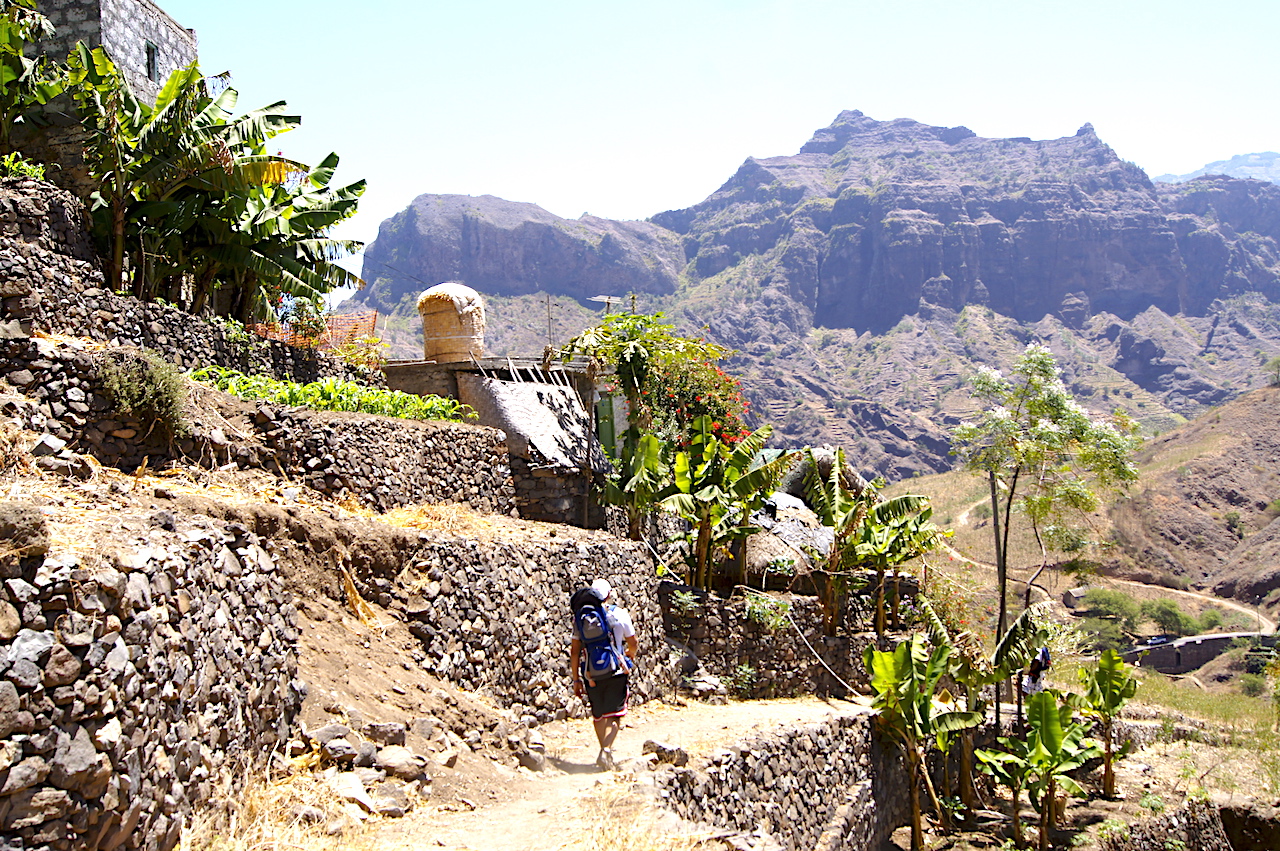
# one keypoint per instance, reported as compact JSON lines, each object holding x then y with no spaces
{"x":1266,"y":625}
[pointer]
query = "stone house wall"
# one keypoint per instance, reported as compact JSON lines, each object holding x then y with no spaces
{"x":124,"y":28}
{"x":827,"y":785}
{"x":129,"y":683}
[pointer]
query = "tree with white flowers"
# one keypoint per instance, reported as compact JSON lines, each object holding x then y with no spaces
{"x":1042,"y":454}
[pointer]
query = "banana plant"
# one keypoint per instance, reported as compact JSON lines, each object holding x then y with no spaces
{"x":971,"y":670}
{"x":894,"y":532}
{"x":1058,"y":747}
{"x":866,"y":531}
{"x":187,"y":189}
{"x":1010,"y":768}
{"x":642,"y":474}
{"x":842,"y":508}
{"x":1042,"y":763}
{"x":26,"y":83}
{"x":912,"y":713}
{"x":1108,"y":687}
{"x":1016,"y":648}
{"x":716,"y":487}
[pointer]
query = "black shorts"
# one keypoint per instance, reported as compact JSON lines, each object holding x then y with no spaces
{"x":608,"y":698}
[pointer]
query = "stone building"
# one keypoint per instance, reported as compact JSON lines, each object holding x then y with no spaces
{"x":144,"y":42}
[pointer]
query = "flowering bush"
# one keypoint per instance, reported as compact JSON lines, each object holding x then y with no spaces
{"x":677,"y":391}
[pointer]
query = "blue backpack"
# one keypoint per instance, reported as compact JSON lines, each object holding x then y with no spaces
{"x":600,"y":659}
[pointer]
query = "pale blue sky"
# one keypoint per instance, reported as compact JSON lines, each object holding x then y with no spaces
{"x":625,"y":110}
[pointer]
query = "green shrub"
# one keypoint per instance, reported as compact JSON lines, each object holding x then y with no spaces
{"x":144,"y":385}
{"x":770,"y":613}
{"x":1253,"y":685}
{"x":740,"y":680}
{"x":333,"y":395}
{"x":1169,"y":617}
{"x":1152,"y":802}
{"x":1101,"y":634}
{"x":684,"y":603}
{"x":14,"y":165}
{"x":1112,"y":605}
{"x":1210,"y":618}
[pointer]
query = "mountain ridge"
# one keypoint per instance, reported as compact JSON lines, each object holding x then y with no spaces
{"x":862,"y":279}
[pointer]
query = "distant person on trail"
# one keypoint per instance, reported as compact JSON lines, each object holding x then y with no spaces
{"x":601,"y":656}
{"x":1033,"y":683}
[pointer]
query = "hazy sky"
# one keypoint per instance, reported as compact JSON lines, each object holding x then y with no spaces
{"x":628,"y":109}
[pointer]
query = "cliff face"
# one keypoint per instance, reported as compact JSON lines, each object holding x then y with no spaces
{"x":509,"y":249}
{"x":865,"y":278}
{"x":873,"y":219}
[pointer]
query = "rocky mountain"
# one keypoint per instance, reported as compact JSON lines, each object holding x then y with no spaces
{"x":862,"y":279}
{"x":1262,"y":166}
{"x":505,"y":248}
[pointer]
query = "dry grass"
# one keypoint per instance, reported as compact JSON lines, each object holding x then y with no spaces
{"x":296,"y":812}
{"x":441,"y":517}
{"x":1236,"y":713}
{"x":619,"y":820}
{"x":15,"y":459}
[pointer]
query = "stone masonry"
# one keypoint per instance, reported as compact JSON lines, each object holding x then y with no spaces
{"x":125,"y":29}
{"x":723,"y":637}
{"x":130,"y":680}
{"x":827,"y":785}
{"x":493,"y":616}
{"x":382,"y":461}
{"x":50,"y":281}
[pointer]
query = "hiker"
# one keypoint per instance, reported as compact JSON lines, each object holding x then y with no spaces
{"x":601,"y":655}
{"x":1034,"y":681}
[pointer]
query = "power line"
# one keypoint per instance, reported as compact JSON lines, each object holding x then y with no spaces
{"x":368,"y":259}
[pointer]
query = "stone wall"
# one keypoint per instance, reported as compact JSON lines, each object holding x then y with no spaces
{"x":722,"y":636}
{"x":1187,"y":654}
{"x":50,"y":281}
{"x":826,"y":785}
{"x":124,"y":28}
{"x":1251,"y":825}
{"x":493,"y":616}
{"x":1196,"y":825}
{"x":382,"y":461}
{"x":129,"y":681}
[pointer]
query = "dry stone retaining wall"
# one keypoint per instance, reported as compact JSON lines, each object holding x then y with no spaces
{"x":384,"y":462}
{"x":50,"y":281}
{"x":494,"y":615}
{"x":128,"y":684}
{"x":724,"y":638}
{"x":826,"y":785}
{"x":1194,"y":827}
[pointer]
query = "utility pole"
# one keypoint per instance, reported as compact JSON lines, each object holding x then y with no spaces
{"x":548,"y":298}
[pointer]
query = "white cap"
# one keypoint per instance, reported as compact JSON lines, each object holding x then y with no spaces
{"x":603,"y":588}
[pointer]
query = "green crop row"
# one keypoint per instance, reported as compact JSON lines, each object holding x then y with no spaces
{"x":333,"y":395}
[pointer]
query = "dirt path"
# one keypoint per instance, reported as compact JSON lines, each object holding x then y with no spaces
{"x":1267,"y":625}
{"x":561,"y":808}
